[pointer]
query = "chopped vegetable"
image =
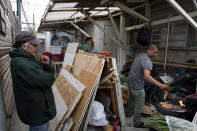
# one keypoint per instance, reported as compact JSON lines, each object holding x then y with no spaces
{"x":158,"y":123}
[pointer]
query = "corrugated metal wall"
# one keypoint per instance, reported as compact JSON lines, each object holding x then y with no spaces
{"x":6,"y":40}
{"x":181,"y":36}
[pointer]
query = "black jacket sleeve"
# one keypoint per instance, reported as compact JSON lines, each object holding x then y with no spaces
{"x":34,"y":76}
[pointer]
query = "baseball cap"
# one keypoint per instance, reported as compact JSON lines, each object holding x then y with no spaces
{"x":25,"y":36}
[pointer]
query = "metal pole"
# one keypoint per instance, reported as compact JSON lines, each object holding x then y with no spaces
{"x":166,"y":53}
{"x":177,"y":7}
{"x":19,"y":13}
{"x":195,"y":4}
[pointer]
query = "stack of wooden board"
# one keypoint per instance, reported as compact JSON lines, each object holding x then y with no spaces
{"x":75,"y":89}
{"x":87,"y":68}
{"x":67,"y":92}
{"x":69,"y":88}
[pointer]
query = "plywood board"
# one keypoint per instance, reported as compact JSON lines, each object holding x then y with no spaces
{"x":75,"y":82}
{"x":84,"y":121}
{"x":70,"y":54}
{"x":90,"y":80}
{"x":67,"y":92}
{"x":84,"y":62}
{"x":60,"y":107}
{"x":86,"y":53}
{"x":84,"y":125}
{"x":68,"y":125}
{"x":114,"y":101}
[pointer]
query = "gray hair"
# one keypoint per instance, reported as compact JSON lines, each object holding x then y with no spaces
{"x":26,"y":44}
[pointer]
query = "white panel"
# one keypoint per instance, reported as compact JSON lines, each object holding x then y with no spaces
{"x":109,"y":45}
{"x":70,"y":54}
{"x":60,"y":6}
{"x":98,"y":37}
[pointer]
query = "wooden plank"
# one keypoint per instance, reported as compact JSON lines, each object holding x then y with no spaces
{"x":86,"y":53}
{"x":119,"y":94}
{"x":90,"y":80}
{"x":105,"y":87}
{"x":67,"y":92}
{"x":68,"y":68}
{"x":131,"y":12}
{"x":172,"y":64}
{"x":84,"y":62}
{"x":114,"y":101}
{"x":83,"y":126}
{"x":68,"y":125}
{"x":60,"y":107}
{"x":161,"y":21}
{"x":107,"y":77}
{"x":70,"y":54}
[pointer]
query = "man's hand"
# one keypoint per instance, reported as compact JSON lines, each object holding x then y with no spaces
{"x":150,"y":79}
{"x":164,"y":87}
{"x":44,"y":59}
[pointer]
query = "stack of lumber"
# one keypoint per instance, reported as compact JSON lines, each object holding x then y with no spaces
{"x":76,"y":86}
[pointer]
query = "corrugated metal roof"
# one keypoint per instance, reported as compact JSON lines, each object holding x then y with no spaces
{"x":59,"y":11}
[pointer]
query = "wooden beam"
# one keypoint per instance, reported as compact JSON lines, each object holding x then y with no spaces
{"x":72,"y":1}
{"x":49,"y":7}
{"x":114,"y":26}
{"x":162,"y":21}
{"x":108,"y":34}
{"x":131,"y":12}
{"x":187,"y":66}
{"x":175,"y":49}
{"x":82,"y":31}
{"x":134,"y":8}
{"x":76,"y":9}
{"x":179,"y":9}
{"x":92,"y":1}
{"x":73,"y":14}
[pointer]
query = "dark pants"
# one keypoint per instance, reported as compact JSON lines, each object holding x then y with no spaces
{"x":135,"y":104}
{"x":40,"y":128}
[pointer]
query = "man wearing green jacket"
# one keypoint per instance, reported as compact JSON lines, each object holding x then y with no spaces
{"x":32,"y":81}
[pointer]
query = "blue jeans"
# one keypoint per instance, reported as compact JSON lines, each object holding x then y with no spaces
{"x":40,"y":128}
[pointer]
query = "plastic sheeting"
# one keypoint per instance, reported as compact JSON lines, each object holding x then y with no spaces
{"x":97,"y":115}
{"x":177,"y":124}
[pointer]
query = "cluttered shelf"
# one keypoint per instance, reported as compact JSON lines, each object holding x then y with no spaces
{"x":180,"y":65}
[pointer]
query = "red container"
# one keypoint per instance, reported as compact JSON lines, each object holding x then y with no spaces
{"x":107,"y":53}
{"x":57,"y":58}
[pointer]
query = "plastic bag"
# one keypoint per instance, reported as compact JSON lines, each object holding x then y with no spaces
{"x":97,"y":115}
{"x":177,"y":124}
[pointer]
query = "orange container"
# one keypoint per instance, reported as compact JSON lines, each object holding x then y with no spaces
{"x":107,"y":53}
